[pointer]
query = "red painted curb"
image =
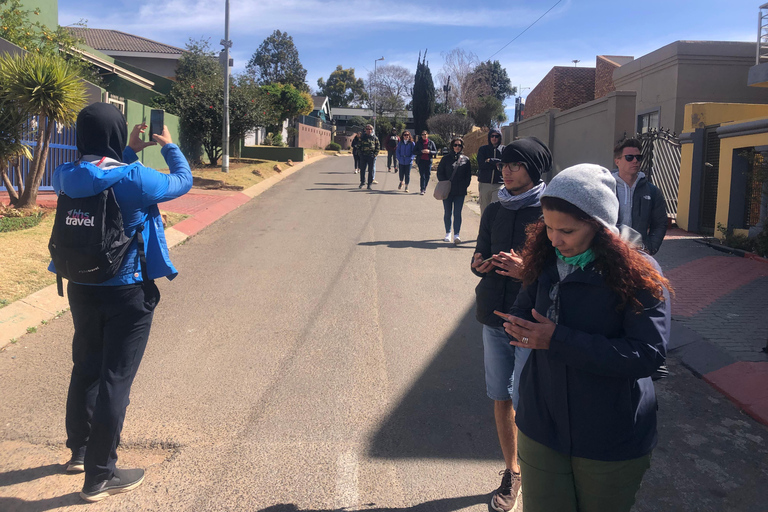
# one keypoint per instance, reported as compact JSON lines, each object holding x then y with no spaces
{"x":745,"y":384}
{"x":755,"y":257}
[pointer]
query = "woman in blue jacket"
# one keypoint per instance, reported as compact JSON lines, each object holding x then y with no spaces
{"x":112,"y":319}
{"x":595,"y":311}
{"x":405,"y":152}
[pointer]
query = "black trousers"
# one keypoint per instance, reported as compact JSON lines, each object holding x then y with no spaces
{"x":405,"y":174}
{"x":112,"y":326}
{"x":367,"y":162}
{"x":425,"y":170}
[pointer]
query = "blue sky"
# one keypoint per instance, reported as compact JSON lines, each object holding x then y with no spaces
{"x":354,"y":33}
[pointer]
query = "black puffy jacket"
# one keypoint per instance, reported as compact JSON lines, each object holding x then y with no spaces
{"x":500,"y":230}
{"x":487,"y":172}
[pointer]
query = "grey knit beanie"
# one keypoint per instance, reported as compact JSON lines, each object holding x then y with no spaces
{"x":592,"y":189}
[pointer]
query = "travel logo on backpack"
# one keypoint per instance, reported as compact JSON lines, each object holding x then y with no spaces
{"x":79,"y":218}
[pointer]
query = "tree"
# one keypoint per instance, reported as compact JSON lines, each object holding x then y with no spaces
{"x":12,"y":119}
{"x":47,"y":87}
{"x":356,"y":123}
{"x":286,"y":101}
{"x":450,"y":125}
{"x":489,"y":78}
{"x":458,"y":64}
{"x":423,"y":94}
{"x":389,"y":88}
{"x":342,"y":88}
{"x":277,"y":61}
{"x":488,"y":111}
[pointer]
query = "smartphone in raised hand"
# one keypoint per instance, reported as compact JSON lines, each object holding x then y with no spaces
{"x":156,"y":122}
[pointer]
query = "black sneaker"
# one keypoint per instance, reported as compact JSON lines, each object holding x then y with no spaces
{"x":504,"y":499}
{"x":76,"y":464}
{"x":361,"y":185}
{"x":369,"y":186}
{"x":124,"y":480}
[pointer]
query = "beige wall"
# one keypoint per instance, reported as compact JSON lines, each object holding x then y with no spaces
{"x":309,"y":137}
{"x":585,"y":134}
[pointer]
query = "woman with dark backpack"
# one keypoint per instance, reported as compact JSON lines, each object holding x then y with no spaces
{"x":456,"y":168}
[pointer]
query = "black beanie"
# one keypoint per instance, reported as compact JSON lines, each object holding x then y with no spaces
{"x":101,"y":131}
{"x":532,"y":152}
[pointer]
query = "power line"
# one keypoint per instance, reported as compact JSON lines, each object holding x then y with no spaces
{"x":524,"y":31}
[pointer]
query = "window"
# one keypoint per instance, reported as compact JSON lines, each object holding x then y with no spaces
{"x":648,"y":121}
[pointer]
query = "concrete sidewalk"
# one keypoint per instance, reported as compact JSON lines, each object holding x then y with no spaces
{"x":204,"y":207}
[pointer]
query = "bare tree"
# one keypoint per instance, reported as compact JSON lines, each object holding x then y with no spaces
{"x":457,"y":64}
{"x":390,"y":88}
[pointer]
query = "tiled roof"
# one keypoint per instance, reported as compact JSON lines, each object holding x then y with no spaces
{"x":318,"y":101}
{"x":116,"y":41}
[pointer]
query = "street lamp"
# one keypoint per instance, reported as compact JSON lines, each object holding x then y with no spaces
{"x":374,"y":94}
{"x":225,"y":128}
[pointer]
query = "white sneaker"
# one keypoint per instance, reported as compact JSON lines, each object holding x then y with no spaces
{"x":375,"y":182}
{"x":456,"y":239}
{"x":447,"y":238}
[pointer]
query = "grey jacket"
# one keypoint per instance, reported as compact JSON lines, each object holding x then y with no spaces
{"x":649,"y":212}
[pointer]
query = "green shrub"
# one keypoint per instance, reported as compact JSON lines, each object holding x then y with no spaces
{"x":333,"y":146}
{"x":761,"y":241}
{"x":277,"y":139}
{"x":473,"y":163}
{"x":438,"y":140}
{"x":18,"y":223}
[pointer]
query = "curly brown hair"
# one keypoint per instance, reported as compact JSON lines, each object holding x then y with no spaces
{"x":626,"y":271}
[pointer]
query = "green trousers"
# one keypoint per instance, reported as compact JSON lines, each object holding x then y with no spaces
{"x":554,"y":482}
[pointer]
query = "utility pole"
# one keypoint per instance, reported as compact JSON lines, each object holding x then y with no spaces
{"x":225,"y":129}
{"x":519,"y":103}
{"x":446,"y":90}
{"x":374,"y":94}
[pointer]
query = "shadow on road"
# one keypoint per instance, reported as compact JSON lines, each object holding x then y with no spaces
{"x":421,"y":244}
{"x":17,"y":504}
{"x":446,"y":414}
{"x":27,"y":475}
{"x":444,"y":505}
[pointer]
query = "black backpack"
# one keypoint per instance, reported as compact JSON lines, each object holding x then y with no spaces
{"x":88,"y":242}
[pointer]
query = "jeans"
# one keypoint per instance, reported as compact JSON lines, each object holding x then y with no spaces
{"x":356,"y":158}
{"x":503,"y":365}
{"x":425,"y":170}
{"x":112,"y":326}
{"x":367,"y":162}
{"x":391,"y":160}
{"x":405,"y":174}
{"x":453,"y":204}
{"x":553,"y":481}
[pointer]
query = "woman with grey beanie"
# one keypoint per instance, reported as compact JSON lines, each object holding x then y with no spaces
{"x":596,"y":313}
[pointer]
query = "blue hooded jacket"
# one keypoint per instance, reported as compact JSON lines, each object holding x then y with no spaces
{"x":138,"y":189}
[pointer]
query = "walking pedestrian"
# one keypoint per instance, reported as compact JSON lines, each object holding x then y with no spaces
{"x":454,"y":166}
{"x":391,"y":146}
{"x":425,"y":152}
{"x":489,"y":180}
{"x":112,"y":320}
{"x":496,"y":260}
{"x":405,"y":152}
{"x":369,"y":149}
{"x":356,"y":151}
{"x":596,"y":313}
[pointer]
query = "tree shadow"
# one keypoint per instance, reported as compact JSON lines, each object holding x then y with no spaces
{"x":442,"y":505}
{"x":446,"y":414}
{"x":29,"y":474}
{"x":420,"y":244}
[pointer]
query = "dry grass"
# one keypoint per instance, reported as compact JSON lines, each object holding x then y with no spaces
{"x":240,"y":173}
{"x":25,"y":260}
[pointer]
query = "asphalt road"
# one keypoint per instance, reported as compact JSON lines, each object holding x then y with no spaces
{"x":317,"y":352}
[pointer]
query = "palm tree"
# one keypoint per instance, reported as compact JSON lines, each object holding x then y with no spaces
{"x":47,"y":87}
{"x":12,"y":120}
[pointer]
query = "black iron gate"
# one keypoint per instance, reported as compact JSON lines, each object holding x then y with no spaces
{"x":661,"y":164}
{"x":709,"y":182}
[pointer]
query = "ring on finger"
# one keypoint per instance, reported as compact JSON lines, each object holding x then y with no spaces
{"x":525,"y":340}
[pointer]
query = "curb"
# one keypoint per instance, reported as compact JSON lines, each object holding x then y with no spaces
{"x":729,"y":250}
{"x":45,"y":304}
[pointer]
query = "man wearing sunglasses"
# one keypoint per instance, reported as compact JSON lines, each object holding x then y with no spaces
{"x":489,"y":180}
{"x":641,"y":204}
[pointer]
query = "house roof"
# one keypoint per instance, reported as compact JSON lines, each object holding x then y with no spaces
{"x":319,"y":101}
{"x":109,"y":41}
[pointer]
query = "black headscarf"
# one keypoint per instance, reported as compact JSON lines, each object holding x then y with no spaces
{"x":101,"y":131}
{"x":532,"y":152}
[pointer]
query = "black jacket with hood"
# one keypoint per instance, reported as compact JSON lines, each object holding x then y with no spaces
{"x":487,"y":172}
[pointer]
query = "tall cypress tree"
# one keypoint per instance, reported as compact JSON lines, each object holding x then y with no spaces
{"x":423,"y":94}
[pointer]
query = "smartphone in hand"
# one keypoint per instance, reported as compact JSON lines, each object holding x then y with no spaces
{"x":156,"y":122}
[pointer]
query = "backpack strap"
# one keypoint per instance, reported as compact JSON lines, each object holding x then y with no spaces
{"x":142,"y":255}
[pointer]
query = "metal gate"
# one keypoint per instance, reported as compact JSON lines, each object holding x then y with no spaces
{"x":709,"y":182}
{"x":661,"y":164}
{"x":62,"y":149}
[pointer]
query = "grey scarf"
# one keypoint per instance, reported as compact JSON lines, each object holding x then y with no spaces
{"x":524,"y":200}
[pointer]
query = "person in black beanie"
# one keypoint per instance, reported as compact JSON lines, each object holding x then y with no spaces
{"x":496,"y":261}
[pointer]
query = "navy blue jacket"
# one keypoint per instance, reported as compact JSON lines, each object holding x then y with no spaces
{"x":590,"y":395}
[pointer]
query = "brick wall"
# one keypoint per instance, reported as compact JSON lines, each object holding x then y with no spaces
{"x":309,"y":137}
{"x":604,"y":76}
{"x":563,"y":88}
{"x":345,"y":141}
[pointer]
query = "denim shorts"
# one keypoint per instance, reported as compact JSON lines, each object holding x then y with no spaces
{"x":503,"y":365}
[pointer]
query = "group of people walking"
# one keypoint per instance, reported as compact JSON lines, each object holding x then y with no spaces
{"x":576,"y":320}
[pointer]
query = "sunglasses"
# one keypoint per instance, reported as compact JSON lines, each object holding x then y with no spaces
{"x":495,"y":137}
{"x":629,"y":158}
{"x":458,"y":146}
{"x":513,"y":166}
